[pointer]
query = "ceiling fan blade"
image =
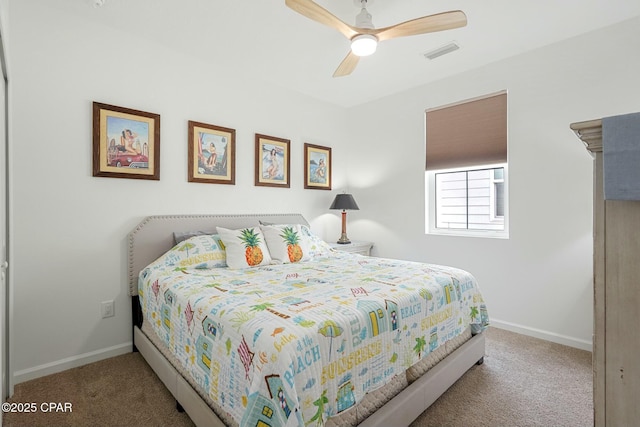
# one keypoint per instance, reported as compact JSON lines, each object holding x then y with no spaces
{"x":319,"y":14}
{"x":426,"y":24}
{"x":347,"y":65}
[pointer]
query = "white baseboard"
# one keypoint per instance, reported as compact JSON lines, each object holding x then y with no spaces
{"x":71,"y":362}
{"x":544,"y":335}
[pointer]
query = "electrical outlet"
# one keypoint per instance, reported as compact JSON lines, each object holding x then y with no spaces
{"x":107,"y":309}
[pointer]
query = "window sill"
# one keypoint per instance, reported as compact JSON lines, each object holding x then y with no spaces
{"x":470,"y":233}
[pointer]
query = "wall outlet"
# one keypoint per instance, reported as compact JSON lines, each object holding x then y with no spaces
{"x":107,"y":309}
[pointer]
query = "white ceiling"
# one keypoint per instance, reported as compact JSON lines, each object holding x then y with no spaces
{"x":263,"y":39}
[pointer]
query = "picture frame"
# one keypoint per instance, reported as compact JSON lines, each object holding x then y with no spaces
{"x":317,"y":167}
{"x":272,"y":158}
{"x":211,"y":154}
{"x":126,"y":142}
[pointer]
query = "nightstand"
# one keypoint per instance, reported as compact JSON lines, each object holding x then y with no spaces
{"x":356,"y":247}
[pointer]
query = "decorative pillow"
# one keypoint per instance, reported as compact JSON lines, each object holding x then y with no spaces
{"x":180,"y":236}
{"x":245,"y":247}
{"x":203,"y":251}
{"x":286,"y":243}
{"x":317,"y":246}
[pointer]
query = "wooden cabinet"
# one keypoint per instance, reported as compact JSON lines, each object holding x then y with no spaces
{"x":616,"y":341}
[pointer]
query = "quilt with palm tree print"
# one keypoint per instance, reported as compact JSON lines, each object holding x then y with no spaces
{"x":294,"y":344}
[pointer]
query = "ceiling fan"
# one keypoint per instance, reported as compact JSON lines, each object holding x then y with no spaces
{"x":365,"y":37}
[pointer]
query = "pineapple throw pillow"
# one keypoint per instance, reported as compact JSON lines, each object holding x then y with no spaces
{"x":286,"y":243}
{"x":245,"y":247}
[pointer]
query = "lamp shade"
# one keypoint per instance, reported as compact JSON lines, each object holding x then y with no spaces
{"x":344,"y":202}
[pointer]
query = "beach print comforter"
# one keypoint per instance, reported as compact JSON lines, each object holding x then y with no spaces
{"x":294,"y":344}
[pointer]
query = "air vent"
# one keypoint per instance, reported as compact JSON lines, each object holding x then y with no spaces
{"x":448,"y":48}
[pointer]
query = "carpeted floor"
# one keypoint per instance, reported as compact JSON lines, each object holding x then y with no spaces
{"x":523,"y":382}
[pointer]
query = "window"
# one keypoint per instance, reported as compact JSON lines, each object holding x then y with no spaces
{"x":267,"y":412}
{"x":470,"y":199}
{"x":466,"y":177}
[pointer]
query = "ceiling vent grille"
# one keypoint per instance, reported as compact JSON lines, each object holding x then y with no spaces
{"x":448,"y":48}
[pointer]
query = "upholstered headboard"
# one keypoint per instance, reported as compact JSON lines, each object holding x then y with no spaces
{"x":154,"y":235}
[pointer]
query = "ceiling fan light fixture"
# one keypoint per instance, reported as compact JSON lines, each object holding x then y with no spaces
{"x":364,"y":44}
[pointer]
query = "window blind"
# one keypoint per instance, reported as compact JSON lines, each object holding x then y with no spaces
{"x":467,"y":133}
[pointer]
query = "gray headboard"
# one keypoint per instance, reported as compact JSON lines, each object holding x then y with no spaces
{"x":154,"y":235}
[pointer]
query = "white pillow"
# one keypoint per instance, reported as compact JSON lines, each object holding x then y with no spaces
{"x":286,"y":243}
{"x":317,"y":246}
{"x":245,"y":247}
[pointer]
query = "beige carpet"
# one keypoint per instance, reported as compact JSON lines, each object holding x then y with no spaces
{"x":523,"y":382}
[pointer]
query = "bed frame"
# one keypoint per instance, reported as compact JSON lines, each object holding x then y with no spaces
{"x":154,"y":236}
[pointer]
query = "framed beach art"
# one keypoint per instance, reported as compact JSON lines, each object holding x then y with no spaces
{"x":126,"y":143}
{"x":272,"y":161}
{"x":317,"y":167}
{"x":212,"y":154}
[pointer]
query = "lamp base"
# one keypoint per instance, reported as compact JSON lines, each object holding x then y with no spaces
{"x":344,"y":239}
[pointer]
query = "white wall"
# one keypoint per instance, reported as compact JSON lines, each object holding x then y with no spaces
{"x":540,"y":280}
{"x":69,"y":227}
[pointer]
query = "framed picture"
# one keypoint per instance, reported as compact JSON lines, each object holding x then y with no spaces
{"x":212,"y":154}
{"x":272,"y":161}
{"x":126,"y":143}
{"x":317,"y":167}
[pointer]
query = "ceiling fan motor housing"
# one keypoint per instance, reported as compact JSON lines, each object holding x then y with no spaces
{"x":363,"y":20}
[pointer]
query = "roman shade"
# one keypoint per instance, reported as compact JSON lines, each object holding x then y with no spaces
{"x":467,"y":133}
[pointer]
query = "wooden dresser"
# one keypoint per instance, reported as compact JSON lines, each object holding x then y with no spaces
{"x":616,"y":341}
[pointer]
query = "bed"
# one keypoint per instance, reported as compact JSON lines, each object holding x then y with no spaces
{"x":309,"y":335}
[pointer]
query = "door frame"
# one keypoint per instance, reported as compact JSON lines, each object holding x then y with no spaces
{"x":6,"y":377}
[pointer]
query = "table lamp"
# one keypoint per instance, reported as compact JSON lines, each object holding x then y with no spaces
{"x":344,"y":202}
